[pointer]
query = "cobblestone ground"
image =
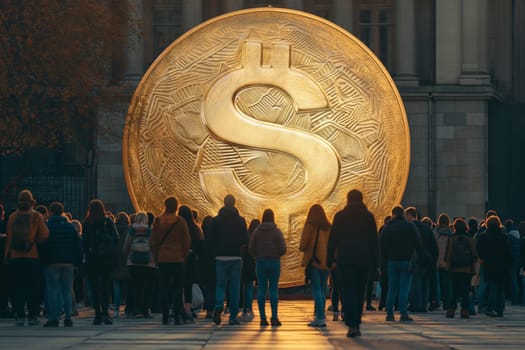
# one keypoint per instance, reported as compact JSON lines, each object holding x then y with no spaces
{"x":429,"y":331}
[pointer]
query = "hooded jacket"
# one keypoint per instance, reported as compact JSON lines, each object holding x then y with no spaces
{"x":228,"y":233}
{"x":267,"y":241}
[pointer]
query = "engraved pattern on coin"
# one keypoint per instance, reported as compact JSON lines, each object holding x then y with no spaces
{"x":280,"y":108}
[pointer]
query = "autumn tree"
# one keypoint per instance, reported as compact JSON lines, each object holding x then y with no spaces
{"x":55,"y":64}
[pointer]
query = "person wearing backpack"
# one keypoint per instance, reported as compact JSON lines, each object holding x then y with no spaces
{"x":141,"y":264}
{"x":25,"y":229}
{"x":99,"y":241}
{"x":460,"y":261}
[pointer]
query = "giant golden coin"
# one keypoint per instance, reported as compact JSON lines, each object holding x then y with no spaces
{"x":280,"y":108}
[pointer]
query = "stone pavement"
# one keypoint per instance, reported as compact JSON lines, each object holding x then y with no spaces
{"x":429,"y":331}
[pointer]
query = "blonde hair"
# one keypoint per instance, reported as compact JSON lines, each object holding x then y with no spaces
{"x":142,"y":218}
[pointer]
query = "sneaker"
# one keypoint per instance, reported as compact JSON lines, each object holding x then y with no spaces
{"x":464,"y":313}
{"x":107,"y":320}
{"x":406,"y":319}
{"x":491,"y":313}
{"x":234,"y":322}
{"x":390,"y":318}
{"x":317,"y":322}
{"x":451,"y":313}
{"x":217,"y":317}
{"x":369,"y":307}
{"x":68,"y":322}
{"x":33,"y":321}
{"x":264,"y":322}
{"x":51,"y":323}
{"x":244,"y":317}
{"x":97,"y":321}
{"x":20,"y":321}
{"x":275,"y":322}
{"x":251,"y":316}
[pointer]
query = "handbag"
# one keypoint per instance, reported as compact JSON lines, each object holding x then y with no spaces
{"x":197,"y":298}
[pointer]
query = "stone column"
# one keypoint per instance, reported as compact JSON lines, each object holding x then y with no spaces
{"x":448,"y":41}
{"x":294,"y":4}
{"x":405,"y":44}
{"x":343,"y":14}
{"x":233,"y":5}
{"x":473,"y":13}
{"x":191,"y":13}
{"x":135,"y":54}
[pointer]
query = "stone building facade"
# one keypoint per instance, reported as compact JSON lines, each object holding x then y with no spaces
{"x":459,"y":66}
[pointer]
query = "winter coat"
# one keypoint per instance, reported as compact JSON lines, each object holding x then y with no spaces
{"x":173,"y":230}
{"x":494,"y":251}
{"x":442,"y":236}
{"x":400,"y":241}
{"x":120,"y":271}
{"x":429,"y":247}
{"x":267,"y":242}
{"x":451,"y":248}
{"x":307,"y":246}
{"x":135,"y":231}
{"x":228,"y":233}
{"x":89,"y":231}
{"x":353,"y":237}
{"x":39,"y":233}
{"x":63,"y":246}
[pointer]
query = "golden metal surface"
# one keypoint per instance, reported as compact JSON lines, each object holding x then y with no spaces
{"x":280,"y":108}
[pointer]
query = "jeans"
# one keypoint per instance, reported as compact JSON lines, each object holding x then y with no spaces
{"x":171,"y":277}
{"x":120,"y":287}
{"x":482,"y":291}
{"x":319,"y":279}
{"x":460,"y":283}
{"x":337,"y":289}
{"x":268,"y":272}
{"x":444,"y":284}
{"x":514,"y":272}
{"x":354,"y":285}
{"x":59,"y":284}
{"x":99,"y":279}
{"x":399,"y":279}
{"x":247,"y":300}
{"x":228,"y":272}
{"x":26,"y":285}
{"x":522,"y":277}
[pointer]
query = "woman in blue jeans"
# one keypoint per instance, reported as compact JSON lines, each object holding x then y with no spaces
{"x":267,"y":245}
{"x":314,"y":244}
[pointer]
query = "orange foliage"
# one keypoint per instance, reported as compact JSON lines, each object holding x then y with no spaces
{"x":55,"y":58}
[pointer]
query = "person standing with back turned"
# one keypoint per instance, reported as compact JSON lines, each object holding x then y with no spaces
{"x":353,"y":244}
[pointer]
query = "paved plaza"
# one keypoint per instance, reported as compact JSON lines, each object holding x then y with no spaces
{"x":429,"y":331}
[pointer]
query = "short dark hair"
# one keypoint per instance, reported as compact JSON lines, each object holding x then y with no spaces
{"x":411,"y":211}
{"x":398,"y":211}
{"x":354,"y":196}
{"x":490,"y":212}
{"x":494,"y":222}
{"x":56,"y":208}
{"x":171,"y":203}
{"x":268,"y":216}
{"x":229,"y":200}
{"x":460,"y":226}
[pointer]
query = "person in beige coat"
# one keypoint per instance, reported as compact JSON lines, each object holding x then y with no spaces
{"x":170,"y":243}
{"x":314,"y":245}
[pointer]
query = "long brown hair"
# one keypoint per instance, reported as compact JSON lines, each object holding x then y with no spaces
{"x":96,"y":212}
{"x":317,"y":217}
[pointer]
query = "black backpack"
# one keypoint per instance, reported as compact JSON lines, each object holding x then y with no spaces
{"x":21,"y":233}
{"x":461,"y":253}
{"x":103,"y":242}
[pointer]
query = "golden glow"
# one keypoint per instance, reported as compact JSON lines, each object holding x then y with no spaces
{"x":280,"y":108}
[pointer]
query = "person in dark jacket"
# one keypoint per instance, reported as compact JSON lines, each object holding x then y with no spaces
{"x":248,"y":276}
{"x":461,"y":264}
{"x":191,"y":270}
{"x":99,"y":242}
{"x":120,"y":275}
{"x":60,"y":254}
{"x":353,"y":245}
{"x":267,"y":245}
{"x":228,"y":233}
{"x":207,"y":270}
{"x":494,"y":252}
{"x":399,"y":242}
{"x":424,"y":263}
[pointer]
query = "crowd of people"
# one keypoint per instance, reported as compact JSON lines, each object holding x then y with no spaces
{"x":177,"y":265}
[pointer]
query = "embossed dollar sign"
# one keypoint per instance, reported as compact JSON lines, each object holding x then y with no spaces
{"x":226,"y":122}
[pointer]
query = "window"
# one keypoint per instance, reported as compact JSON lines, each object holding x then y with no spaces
{"x":375,"y":28}
{"x":167,"y":23}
